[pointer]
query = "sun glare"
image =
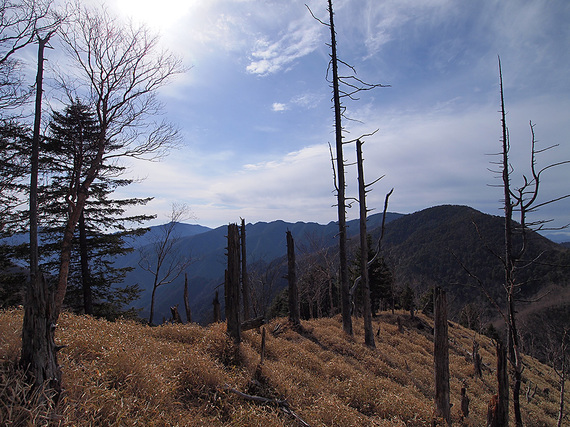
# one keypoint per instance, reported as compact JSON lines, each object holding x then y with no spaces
{"x":158,"y":15}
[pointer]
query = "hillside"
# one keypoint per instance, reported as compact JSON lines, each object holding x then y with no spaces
{"x":265,"y":244}
{"x":128,"y":374}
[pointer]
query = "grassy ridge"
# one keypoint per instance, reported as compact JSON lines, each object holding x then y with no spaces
{"x":127,"y":374}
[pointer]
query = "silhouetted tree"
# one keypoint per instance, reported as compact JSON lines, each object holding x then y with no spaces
{"x":162,"y":259}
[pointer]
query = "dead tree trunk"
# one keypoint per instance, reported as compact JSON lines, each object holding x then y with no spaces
{"x":294,"y":310}
{"x":477,"y":360}
{"x":232,"y":288}
{"x":186,"y":300}
{"x":175,"y":314}
{"x":502,"y":407}
{"x":217,"y":312}
{"x":85,"y":272}
{"x":441,"y":356}
{"x":244,"y":277}
{"x":39,"y":354}
{"x":340,"y":184}
{"x":368,"y":332}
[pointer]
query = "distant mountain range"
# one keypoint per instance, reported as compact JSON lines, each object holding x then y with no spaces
{"x":433,"y":247}
{"x":265,"y":242}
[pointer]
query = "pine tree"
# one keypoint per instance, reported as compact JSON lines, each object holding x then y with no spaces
{"x":103,"y":227}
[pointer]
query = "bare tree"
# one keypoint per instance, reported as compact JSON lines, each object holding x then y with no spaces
{"x":294,"y":314}
{"x":342,"y":87}
{"x":559,"y":359}
{"x":162,"y":258}
{"x":38,"y":355}
{"x":20,"y":24}
{"x":122,"y":68}
{"x":368,"y":332}
{"x":441,"y":356}
{"x":231,"y":285}
{"x":523,"y":200}
{"x":244,"y":276}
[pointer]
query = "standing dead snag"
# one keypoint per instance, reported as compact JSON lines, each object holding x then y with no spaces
{"x":351,"y":85}
{"x":186,"y":300}
{"x":498,"y":409}
{"x":244,"y":277}
{"x":39,"y":355}
{"x":294,"y":309}
{"x":368,"y":332}
{"x":232,"y":289}
{"x":441,"y":356}
{"x":216,"y":304}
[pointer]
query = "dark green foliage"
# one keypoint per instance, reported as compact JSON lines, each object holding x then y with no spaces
{"x":14,"y":173}
{"x":426,"y":302}
{"x":12,"y":279}
{"x":407,"y":299}
{"x":103,"y":227}
{"x":380,"y":278}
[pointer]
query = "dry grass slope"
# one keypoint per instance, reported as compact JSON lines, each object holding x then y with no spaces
{"x":127,"y":374}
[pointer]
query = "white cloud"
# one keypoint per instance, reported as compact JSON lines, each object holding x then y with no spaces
{"x":301,"y":37}
{"x":278,"y":106}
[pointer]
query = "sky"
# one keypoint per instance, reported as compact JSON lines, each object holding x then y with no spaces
{"x":255,"y":114}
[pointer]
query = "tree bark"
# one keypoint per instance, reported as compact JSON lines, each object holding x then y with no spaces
{"x":441,"y":356}
{"x":39,"y":355}
{"x":85,"y":273}
{"x":502,"y":413}
{"x":217,"y":313}
{"x":244,"y":277}
{"x":294,"y":309}
{"x":365,"y":282}
{"x":341,"y":185}
{"x":186,"y":300}
{"x":232,"y":288}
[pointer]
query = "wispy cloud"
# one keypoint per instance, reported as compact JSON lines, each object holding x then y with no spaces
{"x":300,"y":38}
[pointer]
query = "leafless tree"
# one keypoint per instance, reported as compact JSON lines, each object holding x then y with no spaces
{"x":162,"y":258}
{"x":524,"y":200}
{"x":21,"y":22}
{"x":348,"y":86}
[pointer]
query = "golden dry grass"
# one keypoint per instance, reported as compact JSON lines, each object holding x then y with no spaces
{"x":127,"y":374}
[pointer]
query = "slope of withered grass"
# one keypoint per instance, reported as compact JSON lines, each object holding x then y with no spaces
{"x":127,"y":374}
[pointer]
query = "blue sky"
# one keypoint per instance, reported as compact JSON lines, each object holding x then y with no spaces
{"x":255,"y":111}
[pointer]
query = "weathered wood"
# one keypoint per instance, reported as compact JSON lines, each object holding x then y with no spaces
{"x":283,"y":404}
{"x":244,"y":276}
{"x":441,"y":356}
{"x":503,"y":386}
{"x":464,"y":403}
{"x":38,"y":355}
{"x":477,"y":368}
{"x":248,"y":324}
{"x":294,"y":309}
{"x":186,"y":300}
{"x":217,"y":311}
{"x":232,"y":285}
{"x":175,"y":315}
{"x":262,"y":347}
{"x":368,"y":332}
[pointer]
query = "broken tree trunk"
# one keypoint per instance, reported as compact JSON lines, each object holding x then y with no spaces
{"x":441,"y":356}
{"x":186,"y":300}
{"x":232,"y":288}
{"x":294,"y":310}
{"x":477,"y":360}
{"x":244,"y":277}
{"x":217,"y":313}
{"x":252,"y":323}
{"x":503,"y":386}
{"x":175,"y":315}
